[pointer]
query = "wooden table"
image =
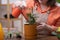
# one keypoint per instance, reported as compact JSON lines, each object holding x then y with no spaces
{"x":39,"y":38}
{"x":45,"y":38}
{"x":48,"y":38}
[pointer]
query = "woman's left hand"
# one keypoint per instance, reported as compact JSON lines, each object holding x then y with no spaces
{"x":49,"y":27}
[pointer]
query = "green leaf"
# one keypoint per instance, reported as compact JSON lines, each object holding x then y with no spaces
{"x":31,"y":19}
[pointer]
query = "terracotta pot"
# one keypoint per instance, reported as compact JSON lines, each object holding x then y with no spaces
{"x":30,"y":31}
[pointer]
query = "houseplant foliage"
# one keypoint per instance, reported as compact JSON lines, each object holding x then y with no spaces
{"x":31,"y":18}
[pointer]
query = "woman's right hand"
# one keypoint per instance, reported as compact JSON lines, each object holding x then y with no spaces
{"x":40,"y":26}
{"x":19,"y":4}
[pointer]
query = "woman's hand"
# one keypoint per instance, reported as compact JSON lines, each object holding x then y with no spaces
{"x":46,"y":26}
{"x":51,"y":28}
{"x":19,"y":4}
{"x":41,"y":26}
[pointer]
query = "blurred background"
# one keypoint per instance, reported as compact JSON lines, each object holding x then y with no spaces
{"x":13,"y":25}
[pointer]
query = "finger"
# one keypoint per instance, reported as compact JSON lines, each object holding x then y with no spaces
{"x":40,"y":27}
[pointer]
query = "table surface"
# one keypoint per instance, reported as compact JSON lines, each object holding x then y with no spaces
{"x":39,"y":38}
{"x":48,"y":38}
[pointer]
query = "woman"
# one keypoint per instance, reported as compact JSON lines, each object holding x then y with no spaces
{"x":46,"y":10}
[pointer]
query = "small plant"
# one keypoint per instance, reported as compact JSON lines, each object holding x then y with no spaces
{"x":31,"y":18}
{"x":10,"y":34}
{"x":18,"y":35}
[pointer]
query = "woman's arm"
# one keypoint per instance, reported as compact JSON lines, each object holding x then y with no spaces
{"x":58,"y":24}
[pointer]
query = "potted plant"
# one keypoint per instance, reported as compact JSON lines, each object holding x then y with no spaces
{"x":18,"y":35}
{"x":9,"y":35}
{"x":30,"y":28}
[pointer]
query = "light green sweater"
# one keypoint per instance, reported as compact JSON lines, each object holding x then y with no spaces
{"x":58,"y":1}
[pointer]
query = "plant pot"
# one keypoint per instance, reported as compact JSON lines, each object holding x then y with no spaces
{"x":30,"y":31}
